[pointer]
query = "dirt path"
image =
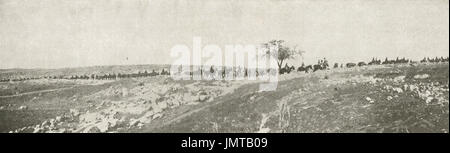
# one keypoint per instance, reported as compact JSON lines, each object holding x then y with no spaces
{"x":39,"y":91}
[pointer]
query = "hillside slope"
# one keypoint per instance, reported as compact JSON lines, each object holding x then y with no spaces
{"x":393,"y":98}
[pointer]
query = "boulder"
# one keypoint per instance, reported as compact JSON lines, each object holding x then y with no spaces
{"x":52,"y":123}
{"x":263,"y":130}
{"x":399,"y":78}
{"x":430,"y":100}
{"x":252,"y":97}
{"x":45,"y":123}
{"x":389,"y":98}
{"x":74,"y":112}
{"x":203,"y":98}
{"x":103,"y":126}
{"x":92,"y":129}
{"x":37,"y":130}
{"x":155,"y":116}
{"x":124,"y":92}
{"x":370,"y":100}
{"x":134,"y":122}
{"x":23,"y":108}
{"x":421,"y":76}
{"x":59,"y":119}
{"x":398,"y":90}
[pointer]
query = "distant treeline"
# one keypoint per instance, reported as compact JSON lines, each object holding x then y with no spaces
{"x":237,"y":71}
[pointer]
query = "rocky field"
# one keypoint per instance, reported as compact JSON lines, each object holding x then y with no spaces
{"x":385,"y":98}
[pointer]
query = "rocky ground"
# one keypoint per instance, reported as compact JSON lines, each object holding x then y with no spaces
{"x":393,"y":98}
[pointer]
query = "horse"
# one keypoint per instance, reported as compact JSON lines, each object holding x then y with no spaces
{"x":361,"y":64}
{"x":349,"y":65}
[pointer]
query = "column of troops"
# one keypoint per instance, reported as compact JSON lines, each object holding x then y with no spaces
{"x":237,"y":71}
{"x":112,"y":76}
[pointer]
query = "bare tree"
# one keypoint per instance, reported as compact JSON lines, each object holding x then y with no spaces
{"x":284,"y":52}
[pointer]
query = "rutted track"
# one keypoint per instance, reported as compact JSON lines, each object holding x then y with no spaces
{"x":40,"y":91}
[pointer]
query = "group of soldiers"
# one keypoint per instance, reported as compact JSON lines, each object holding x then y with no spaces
{"x":376,"y":61}
{"x":235,"y":72}
{"x":112,"y":76}
{"x":397,"y":61}
{"x":434,"y":60}
{"x":18,"y":79}
{"x":321,"y":65}
{"x":121,"y":76}
{"x":215,"y":73}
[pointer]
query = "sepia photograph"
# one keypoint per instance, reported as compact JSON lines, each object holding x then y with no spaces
{"x":224,"y":66}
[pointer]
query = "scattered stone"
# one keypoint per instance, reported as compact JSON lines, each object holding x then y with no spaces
{"x":155,"y":116}
{"x":134,"y":122}
{"x":103,"y":126}
{"x":58,"y":119}
{"x":410,"y":87}
{"x":389,"y":98}
{"x":52,"y":123}
{"x":366,"y":106}
{"x":23,"y":107}
{"x":387,"y":87}
{"x":429,"y":100}
{"x":203,"y":98}
{"x":124,"y":92}
{"x":398,"y":90}
{"x":74,"y":112}
{"x":63,"y":130}
{"x":45,"y":123}
{"x":140,"y":125}
{"x":399,"y":78}
{"x":92,"y":129}
{"x":264,"y":130}
{"x":37,"y":129}
{"x":370,"y":100}
{"x":421,"y":76}
{"x":252,"y":97}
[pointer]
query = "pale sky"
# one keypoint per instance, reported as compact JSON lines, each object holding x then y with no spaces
{"x":73,"y":33}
